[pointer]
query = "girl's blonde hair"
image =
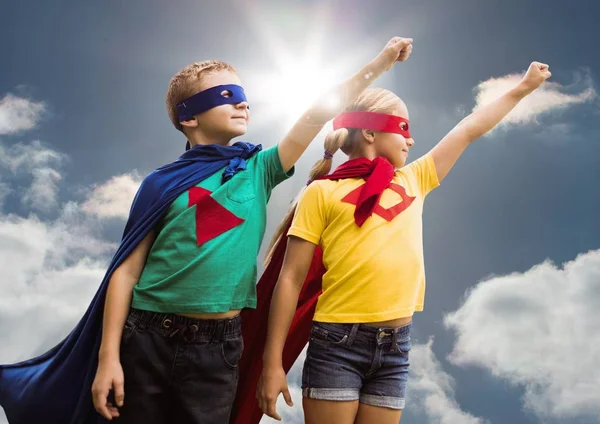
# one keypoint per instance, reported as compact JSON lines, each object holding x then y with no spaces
{"x":371,"y":100}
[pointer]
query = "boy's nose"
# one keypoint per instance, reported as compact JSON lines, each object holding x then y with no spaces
{"x":242,"y":105}
{"x":410,"y":142}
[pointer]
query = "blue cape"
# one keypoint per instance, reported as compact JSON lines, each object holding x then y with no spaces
{"x":55,"y":388}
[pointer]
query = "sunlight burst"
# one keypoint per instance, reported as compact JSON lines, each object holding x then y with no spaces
{"x":295,"y":76}
{"x":292,"y":88}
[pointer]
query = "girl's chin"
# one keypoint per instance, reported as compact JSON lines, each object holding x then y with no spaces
{"x":399,"y":163}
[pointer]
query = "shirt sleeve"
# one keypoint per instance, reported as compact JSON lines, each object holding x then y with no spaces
{"x":310,"y":218}
{"x":271,"y":164}
{"x":423,"y":170}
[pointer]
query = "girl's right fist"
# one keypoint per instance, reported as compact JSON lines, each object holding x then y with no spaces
{"x":398,"y":49}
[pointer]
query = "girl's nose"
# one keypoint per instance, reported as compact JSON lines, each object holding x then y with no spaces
{"x":410,"y":142}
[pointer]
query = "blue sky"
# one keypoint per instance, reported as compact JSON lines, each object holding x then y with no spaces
{"x":511,"y":237}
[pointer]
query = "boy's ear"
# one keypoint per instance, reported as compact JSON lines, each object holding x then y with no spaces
{"x":368,"y":135}
{"x":190,"y":123}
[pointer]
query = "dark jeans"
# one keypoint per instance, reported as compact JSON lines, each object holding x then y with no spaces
{"x":179,"y":370}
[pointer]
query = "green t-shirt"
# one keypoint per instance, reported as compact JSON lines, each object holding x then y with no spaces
{"x":204,"y":257}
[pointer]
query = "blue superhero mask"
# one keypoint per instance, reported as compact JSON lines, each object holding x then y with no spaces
{"x":208,"y":99}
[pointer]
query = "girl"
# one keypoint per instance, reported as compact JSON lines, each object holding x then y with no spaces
{"x":367,"y":219}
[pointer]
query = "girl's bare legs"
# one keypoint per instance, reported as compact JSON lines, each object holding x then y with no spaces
{"x":329,"y":411}
{"x":368,"y":414}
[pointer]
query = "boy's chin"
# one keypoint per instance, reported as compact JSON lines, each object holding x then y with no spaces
{"x":237,"y":132}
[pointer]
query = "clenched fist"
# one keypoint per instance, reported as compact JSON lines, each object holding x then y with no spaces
{"x":535,"y":76}
{"x":398,"y":49}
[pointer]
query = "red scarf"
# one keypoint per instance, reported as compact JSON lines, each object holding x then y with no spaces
{"x":378,"y":175}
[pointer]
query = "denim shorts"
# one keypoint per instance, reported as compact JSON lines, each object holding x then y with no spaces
{"x":349,"y":362}
{"x":178,"y":369}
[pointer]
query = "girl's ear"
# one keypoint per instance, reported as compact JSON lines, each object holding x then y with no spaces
{"x":369,"y":135}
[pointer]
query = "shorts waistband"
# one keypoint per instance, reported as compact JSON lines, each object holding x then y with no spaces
{"x":190,"y":328}
{"x":367,"y":332}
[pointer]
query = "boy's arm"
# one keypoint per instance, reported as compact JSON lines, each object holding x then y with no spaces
{"x":296,"y":263}
{"x":116,"y":308}
{"x":450,"y":148}
{"x":312,"y":121}
{"x":118,"y":297}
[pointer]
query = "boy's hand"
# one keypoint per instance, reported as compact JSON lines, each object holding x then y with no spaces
{"x":108,"y":377}
{"x":271,"y":383}
{"x":398,"y":49}
{"x":535,"y":76}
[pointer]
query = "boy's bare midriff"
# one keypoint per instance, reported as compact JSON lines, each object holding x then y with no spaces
{"x":224,"y":315}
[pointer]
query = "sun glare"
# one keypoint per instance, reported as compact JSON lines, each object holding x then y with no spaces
{"x":294,"y":77}
{"x":290,"y":90}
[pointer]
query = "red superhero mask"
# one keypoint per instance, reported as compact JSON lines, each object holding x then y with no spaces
{"x":372,"y":121}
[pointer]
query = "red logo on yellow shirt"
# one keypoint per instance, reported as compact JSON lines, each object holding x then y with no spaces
{"x":386,"y":213}
{"x":212,"y":219}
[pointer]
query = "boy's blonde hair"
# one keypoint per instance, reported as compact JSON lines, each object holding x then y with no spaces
{"x":371,"y":100}
{"x":187,"y":82}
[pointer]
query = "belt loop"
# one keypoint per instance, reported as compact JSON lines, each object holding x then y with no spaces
{"x":395,"y":340}
{"x":352,"y":336}
{"x":229,"y":326}
{"x":212,"y":331}
{"x":218,"y":331}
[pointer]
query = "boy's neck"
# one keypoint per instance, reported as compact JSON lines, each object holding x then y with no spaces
{"x":197,"y":138}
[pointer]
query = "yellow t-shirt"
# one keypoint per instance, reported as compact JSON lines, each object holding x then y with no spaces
{"x":375,"y":272}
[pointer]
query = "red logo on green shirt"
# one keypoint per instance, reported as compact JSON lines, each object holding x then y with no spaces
{"x":212,"y":219}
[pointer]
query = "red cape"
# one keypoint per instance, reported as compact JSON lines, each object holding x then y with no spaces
{"x":254,"y":331}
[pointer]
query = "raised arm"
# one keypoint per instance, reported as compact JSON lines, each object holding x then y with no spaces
{"x":450,"y":148}
{"x":312,"y":121}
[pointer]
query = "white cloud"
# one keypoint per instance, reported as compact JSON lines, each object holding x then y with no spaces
{"x":50,"y":268}
{"x":538,"y":330}
{"x":40,"y":163}
{"x":549,"y":97}
{"x":50,"y":272}
{"x":30,"y":156}
{"x":19,"y":114}
{"x":430,"y":389}
{"x":113,"y":198}
{"x":43,"y":192}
